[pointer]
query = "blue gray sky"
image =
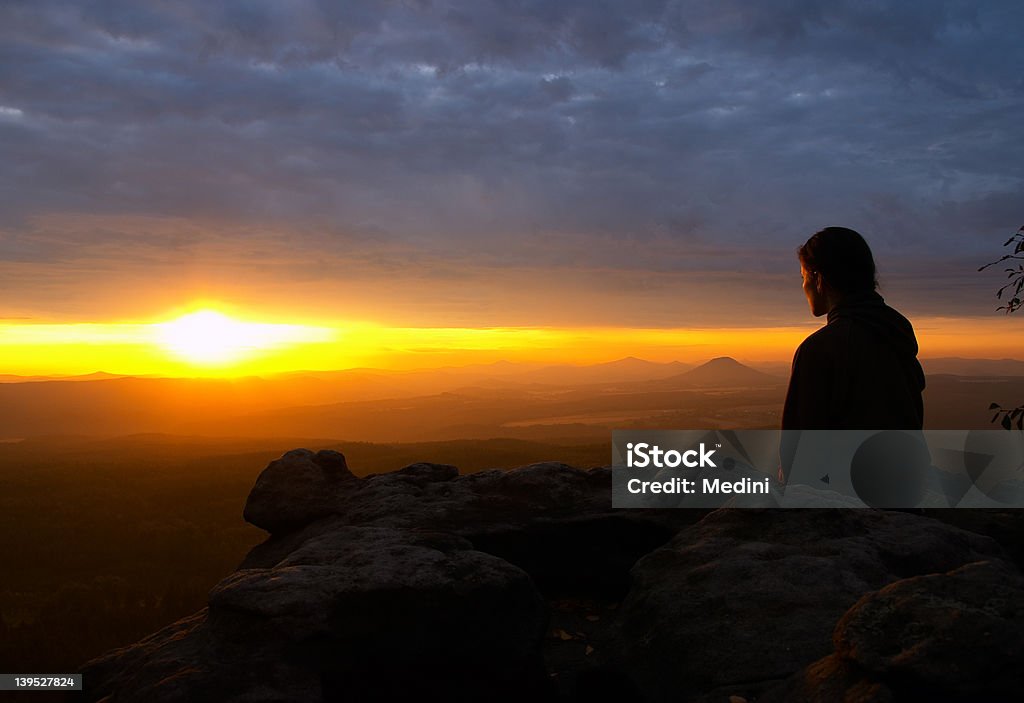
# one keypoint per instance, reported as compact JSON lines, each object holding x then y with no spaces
{"x":494,"y":162}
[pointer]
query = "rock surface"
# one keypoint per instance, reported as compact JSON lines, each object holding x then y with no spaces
{"x":397,"y":586}
{"x":424,"y":584}
{"x":366,"y":612}
{"x":297,"y":488}
{"x":420,"y":495}
{"x":952,"y":637}
{"x":753,"y":596}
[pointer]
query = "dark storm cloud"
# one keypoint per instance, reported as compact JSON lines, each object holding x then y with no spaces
{"x":662,"y":136}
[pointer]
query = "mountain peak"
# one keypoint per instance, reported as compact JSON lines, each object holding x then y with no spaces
{"x":724,"y":372}
{"x":628,"y":361}
{"x":723,"y":361}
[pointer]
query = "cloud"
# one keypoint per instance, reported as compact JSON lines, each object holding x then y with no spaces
{"x":659,"y":137}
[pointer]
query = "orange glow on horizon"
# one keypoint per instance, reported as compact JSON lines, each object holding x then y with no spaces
{"x":202,"y":341}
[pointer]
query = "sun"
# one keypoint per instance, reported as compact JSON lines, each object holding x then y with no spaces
{"x":208,"y":337}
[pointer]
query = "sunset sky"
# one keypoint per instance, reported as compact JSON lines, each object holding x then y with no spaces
{"x":422,"y":183}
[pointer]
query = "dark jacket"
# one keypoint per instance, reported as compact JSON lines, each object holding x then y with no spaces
{"x":860,"y":371}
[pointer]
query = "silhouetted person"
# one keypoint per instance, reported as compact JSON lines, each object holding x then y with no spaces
{"x":859,"y":371}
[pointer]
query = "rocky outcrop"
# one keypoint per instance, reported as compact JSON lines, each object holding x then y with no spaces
{"x":950,"y":637}
{"x":747,"y":597}
{"x":297,"y":488}
{"x":423,"y":584}
{"x":363,"y":613}
{"x":419,"y":584}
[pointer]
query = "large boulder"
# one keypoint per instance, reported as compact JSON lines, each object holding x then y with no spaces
{"x":553,"y":520}
{"x":296,"y":489}
{"x":435,"y":495}
{"x":957,"y":636}
{"x":1006,"y":526}
{"x":747,"y":597}
{"x":399,"y":586}
{"x":355,"y":613}
{"x":302,"y":487}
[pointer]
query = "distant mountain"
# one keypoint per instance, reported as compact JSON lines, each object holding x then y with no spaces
{"x":973,"y":367}
{"x":722,"y":372}
{"x":101,"y":405}
{"x":627,"y":370}
{"x":381,"y":406}
{"x":500,"y":374}
{"x":633,"y":365}
{"x":95,"y":376}
{"x":12,"y":378}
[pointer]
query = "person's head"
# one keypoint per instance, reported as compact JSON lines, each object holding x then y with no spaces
{"x":836,"y":262}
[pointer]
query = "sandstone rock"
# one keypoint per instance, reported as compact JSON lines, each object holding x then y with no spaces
{"x":412,"y":571}
{"x":752,"y":596}
{"x":426,"y":584}
{"x":297,"y":489}
{"x":356,"y":613}
{"x":485,"y":498}
{"x":544,"y":517}
{"x":833,"y":679}
{"x":959,"y":633}
{"x":795,"y":496}
{"x":428,"y":473}
{"x":1006,"y":526}
{"x":186,"y":662}
{"x":951,"y":637}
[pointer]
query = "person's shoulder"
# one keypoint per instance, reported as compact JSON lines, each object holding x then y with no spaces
{"x":817,"y":347}
{"x":824,"y":337}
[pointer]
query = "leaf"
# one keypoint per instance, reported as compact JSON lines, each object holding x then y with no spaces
{"x":994,"y":406}
{"x":995,"y":417}
{"x":1006,"y":422}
